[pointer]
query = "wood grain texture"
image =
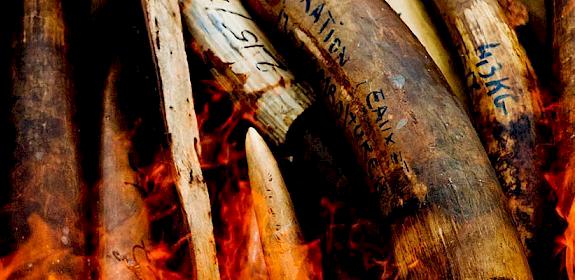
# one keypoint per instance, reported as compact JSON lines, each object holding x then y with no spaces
{"x":46,"y":183}
{"x":413,"y":140}
{"x":245,"y":63}
{"x":506,"y":104}
{"x":167,"y":43}
{"x":282,"y":240}
{"x":122,"y":214}
{"x":419,"y":21}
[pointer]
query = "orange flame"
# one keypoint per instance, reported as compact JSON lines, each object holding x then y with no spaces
{"x":240,"y":252}
{"x":151,"y":259}
{"x":241,"y":255}
{"x":39,"y":255}
{"x":562,"y":182}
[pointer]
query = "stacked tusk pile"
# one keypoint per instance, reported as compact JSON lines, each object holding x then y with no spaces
{"x":243,"y":62}
{"x":395,"y":93}
{"x":420,"y":151}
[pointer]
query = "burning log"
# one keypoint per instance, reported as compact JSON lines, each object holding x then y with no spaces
{"x":416,"y":17}
{"x":413,"y":140}
{"x":282,"y":240}
{"x":123,"y":218}
{"x":244,"y":62}
{"x":167,"y":43}
{"x":564,"y":67}
{"x":506,"y":103}
{"x":46,"y":184}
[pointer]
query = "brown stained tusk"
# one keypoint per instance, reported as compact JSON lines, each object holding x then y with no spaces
{"x":122,"y":214}
{"x":506,"y":102}
{"x":416,"y":17}
{"x":47,"y":189}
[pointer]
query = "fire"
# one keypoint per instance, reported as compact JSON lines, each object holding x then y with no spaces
{"x":240,"y":254}
{"x":240,"y":250}
{"x":40,"y":255}
{"x":566,"y":210}
{"x":561,"y":180}
{"x":239,"y":247}
{"x":153,"y":258}
{"x":157,"y":184}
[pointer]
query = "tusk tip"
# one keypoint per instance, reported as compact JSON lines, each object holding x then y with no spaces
{"x":253,"y":139}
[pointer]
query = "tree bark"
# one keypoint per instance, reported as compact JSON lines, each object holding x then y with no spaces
{"x":413,"y":140}
{"x":282,"y":240}
{"x":167,"y":43}
{"x":47,"y":189}
{"x":506,"y":104}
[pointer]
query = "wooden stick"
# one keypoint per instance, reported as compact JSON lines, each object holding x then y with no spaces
{"x":122,"y":214}
{"x":421,"y":154}
{"x":244,"y":62}
{"x":46,"y":183}
{"x":282,"y":241}
{"x":416,"y":17}
{"x":506,"y":103}
{"x":167,"y":43}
